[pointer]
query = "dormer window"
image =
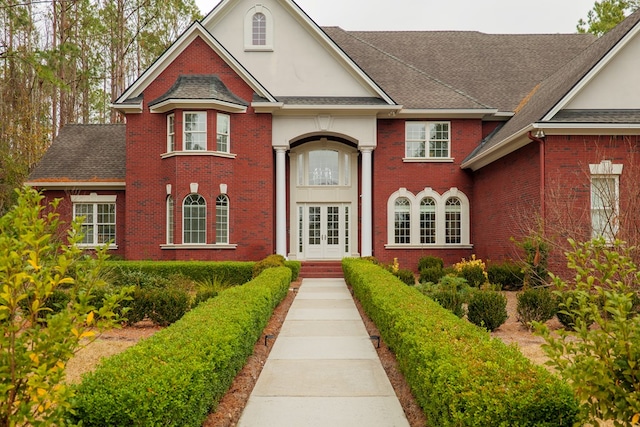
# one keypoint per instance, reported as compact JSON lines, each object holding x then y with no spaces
{"x":258,"y":29}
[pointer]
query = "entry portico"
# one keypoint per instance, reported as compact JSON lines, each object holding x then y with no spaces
{"x":327,"y":190}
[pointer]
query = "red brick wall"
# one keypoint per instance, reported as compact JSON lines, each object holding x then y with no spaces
{"x":506,"y":203}
{"x":390,"y":173}
{"x":249,"y":176}
{"x":65,"y":209}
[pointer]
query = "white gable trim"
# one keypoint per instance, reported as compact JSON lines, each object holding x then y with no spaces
{"x":225,"y":5}
{"x":603,"y":62}
{"x":195,"y":30}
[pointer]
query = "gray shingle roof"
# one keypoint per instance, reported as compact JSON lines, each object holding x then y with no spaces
{"x":331,"y":100}
{"x":597,"y":116}
{"x":84,"y":153}
{"x":556,"y":86}
{"x":458,"y":69}
{"x":199,"y":87}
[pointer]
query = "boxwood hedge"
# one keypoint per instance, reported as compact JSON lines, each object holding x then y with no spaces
{"x":459,"y":375}
{"x":176,"y":377}
{"x":233,"y":272}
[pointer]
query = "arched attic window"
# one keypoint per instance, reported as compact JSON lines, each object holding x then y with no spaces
{"x":258,"y":29}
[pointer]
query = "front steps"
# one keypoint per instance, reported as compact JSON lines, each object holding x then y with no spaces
{"x":321,"y":269}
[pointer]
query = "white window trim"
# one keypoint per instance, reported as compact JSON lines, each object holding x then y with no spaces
{"x":171,"y":133}
{"x":184,"y":220}
{"x":603,"y":170}
{"x":171,"y":220}
{"x":227,"y":212}
{"x":228,"y":134}
{"x":248,"y":29}
{"x":440,"y":219}
{"x":184,"y":131}
{"x":95,"y":199}
{"x":427,"y":158}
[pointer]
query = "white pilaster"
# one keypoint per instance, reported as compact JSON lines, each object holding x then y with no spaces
{"x":366,"y":214}
{"x":281,"y":201}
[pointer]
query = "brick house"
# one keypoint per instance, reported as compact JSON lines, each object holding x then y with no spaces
{"x":259,"y":132}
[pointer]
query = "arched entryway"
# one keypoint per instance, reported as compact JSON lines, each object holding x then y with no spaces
{"x":323,"y":202}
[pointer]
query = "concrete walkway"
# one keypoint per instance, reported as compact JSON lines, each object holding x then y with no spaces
{"x":323,"y":369}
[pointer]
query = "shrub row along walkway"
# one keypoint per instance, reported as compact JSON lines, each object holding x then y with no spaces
{"x":323,"y":369}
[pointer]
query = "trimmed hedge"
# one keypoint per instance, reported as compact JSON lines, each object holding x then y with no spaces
{"x":234,"y":272}
{"x":459,"y":375}
{"x":176,"y":377}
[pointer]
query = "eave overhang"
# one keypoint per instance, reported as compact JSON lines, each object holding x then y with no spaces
{"x":280,"y":108}
{"x":77,"y":185}
{"x":194,"y":104}
{"x":444,"y":113}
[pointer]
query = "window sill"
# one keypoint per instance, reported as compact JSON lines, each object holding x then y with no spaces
{"x":205,"y":246}
{"x":428,"y":159}
{"x":198,"y":153}
{"x":258,"y":48}
{"x":90,"y":246}
{"x":429,"y":246}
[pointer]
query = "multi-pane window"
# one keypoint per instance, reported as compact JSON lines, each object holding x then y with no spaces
{"x":402,"y":220}
{"x":604,"y":207}
{"x":170,"y":220}
{"x":171,"y":133}
{"x":194,"y":217}
{"x":222,"y":133}
{"x":324,"y":167}
{"x":427,"y":140}
{"x":222,"y":219}
{"x":427,"y":220}
{"x":195,"y":131}
{"x":99,"y":224}
{"x":453,"y":220}
{"x":259,"y":29}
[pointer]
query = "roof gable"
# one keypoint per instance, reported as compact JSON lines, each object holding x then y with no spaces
{"x":194,"y":31}
{"x":554,"y":93}
{"x":302,"y":60}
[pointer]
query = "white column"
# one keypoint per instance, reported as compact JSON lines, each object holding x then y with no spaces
{"x":366,"y":214}
{"x":281,"y":202}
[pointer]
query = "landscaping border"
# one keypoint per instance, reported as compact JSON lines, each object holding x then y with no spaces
{"x":176,"y":377}
{"x":459,"y":375}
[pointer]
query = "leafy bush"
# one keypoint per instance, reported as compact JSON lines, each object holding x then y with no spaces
{"x":487,"y":309}
{"x":536,"y":251}
{"x":508,"y":274}
{"x":176,"y":377}
{"x":137,"y":307}
{"x":473,"y":271}
{"x":451,"y":293}
{"x":406,"y":276}
{"x":168,"y":305}
{"x":431,"y":274}
{"x":430,"y":262}
{"x":232,"y":271}
{"x":602,"y":362}
{"x":54,"y":303}
{"x":536,"y":305}
{"x":459,"y":375}
{"x":272,"y":261}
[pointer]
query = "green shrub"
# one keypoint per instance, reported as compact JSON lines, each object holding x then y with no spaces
{"x":54,"y":303}
{"x":569,"y":303}
{"x":487,"y":309}
{"x":177,"y":376}
{"x":430,"y":262}
{"x":406,"y":276}
{"x":536,"y":305}
{"x":459,"y":375}
{"x":137,"y":307}
{"x":508,"y":274}
{"x":473,"y":271}
{"x":168,"y":305}
{"x":451,"y":293}
{"x":272,"y":261}
{"x":431,"y":274}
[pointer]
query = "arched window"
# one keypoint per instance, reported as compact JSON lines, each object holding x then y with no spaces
{"x":194,"y":218}
{"x":402,"y":220}
{"x":427,"y":220}
{"x":222,"y":219}
{"x":170,"y":220}
{"x":259,"y":29}
{"x":453,"y":220}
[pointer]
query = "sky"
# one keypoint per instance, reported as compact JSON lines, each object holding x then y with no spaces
{"x":487,"y":16}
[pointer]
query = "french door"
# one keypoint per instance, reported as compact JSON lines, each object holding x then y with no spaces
{"x":324,"y":230}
